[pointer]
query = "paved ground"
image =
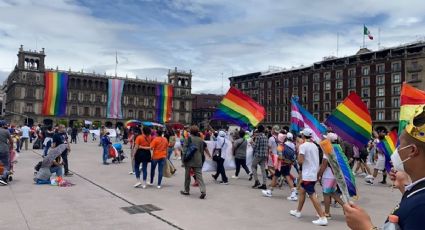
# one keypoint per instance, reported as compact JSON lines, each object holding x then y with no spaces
{"x":100,"y":192}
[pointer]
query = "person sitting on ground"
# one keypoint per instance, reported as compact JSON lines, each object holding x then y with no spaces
{"x":49,"y":165}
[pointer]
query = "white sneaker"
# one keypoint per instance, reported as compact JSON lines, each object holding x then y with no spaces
{"x":179,"y":158}
{"x":368,"y":177}
{"x":295,"y":213}
{"x":369,"y":182}
{"x":144,"y":186}
{"x":362,"y":174}
{"x":149,"y":184}
{"x":138,"y":184}
{"x":131,"y":173}
{"x":293,"y":197}
{"x":158,"y":187}
{"x":267,"y":193}
{"x":322,"y":221}
{"x":235,"y":177}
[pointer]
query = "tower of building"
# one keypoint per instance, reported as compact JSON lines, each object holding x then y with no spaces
{"x":182,"y":84}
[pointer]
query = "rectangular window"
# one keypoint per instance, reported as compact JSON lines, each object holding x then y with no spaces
{"x":380,"y":115}
{"x":74,"y":110}
{"x":86,"y":111}
{"x":366,"y":102}
{"x":262,"y":85}
{"x":396,"y":115}
{"x":327,"y":85}
{"x":414,"y":77}
{"x":396,"y":78}
{"x":295,"y":91}
{"x":338,"y":85}
{"x":316,"y":97}
{"x":380,"y":103}
{"x":338,"y":95}
{"x":327,"y":96}
{"x":396,"y":102}
{"x":305,"y":89}
{"x":351,"y":72}
{"x":365,"y":71}
{"x":249,"y":85}
{"x":269,"y":84}
{"x":285,"y":83}
{"x":338,"y":75}
{"x":380,"y":80}
{"x":327,"y":106}
{"x":365,"y":92}
{"x":396,"y":67}
{"x":380,"y":92}
{"x":316,"y":86}
{"x":277,"y":83}
{"x":315,"y":107}
{"x":352,"y":83}
{"x":396,"y":90}
{"x":316,"y":115}
{"x":365,"y":81}
{"x":295,"y":81}
{"x":380,"y":69}
{"x":316,"y":77}
{"x":305,"y":79}
{"x":98,"y":113}
{"x":327,"y":76}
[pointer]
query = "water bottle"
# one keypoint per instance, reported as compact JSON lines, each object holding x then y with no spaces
{"x":392,"y":223}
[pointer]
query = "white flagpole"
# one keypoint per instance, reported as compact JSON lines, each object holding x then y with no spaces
{"x":116,"y":62}
{"x":363,"y":35}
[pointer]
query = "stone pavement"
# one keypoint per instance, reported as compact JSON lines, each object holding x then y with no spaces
{"x":96,"y":201}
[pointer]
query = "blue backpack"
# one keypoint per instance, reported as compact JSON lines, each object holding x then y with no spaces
{"x":288,"y":154}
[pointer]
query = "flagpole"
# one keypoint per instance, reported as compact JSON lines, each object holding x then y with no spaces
{"x":337,"y":43}
{"x":363,"y":35}
{"x":116,"y":62}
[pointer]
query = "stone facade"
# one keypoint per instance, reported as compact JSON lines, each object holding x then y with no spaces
{"x":204,"y":106}
{"x":88,"y":95}
{"x":376,"y":76}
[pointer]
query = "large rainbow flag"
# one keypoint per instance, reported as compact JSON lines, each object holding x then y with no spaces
{"x":55,"y":94}
{"x":115,"y":90}
{"x":238,"y":108}
{"x":351,"y":121}
{"x":301,"y":118}
{"x":164,"y":103}
{"x":388,"y":146}
{"x":410,"y":99}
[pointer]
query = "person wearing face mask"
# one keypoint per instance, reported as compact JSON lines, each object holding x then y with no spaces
{"x":409,"y":158}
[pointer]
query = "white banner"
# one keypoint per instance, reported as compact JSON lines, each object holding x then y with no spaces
{"x":88,"y":122}
{"x":112,"y":132}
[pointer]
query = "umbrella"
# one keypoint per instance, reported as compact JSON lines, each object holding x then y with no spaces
{"x":133,"y":123}
{"x":148,"y":123}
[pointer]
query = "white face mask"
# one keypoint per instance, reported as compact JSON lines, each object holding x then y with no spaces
{"x":396,"y":160}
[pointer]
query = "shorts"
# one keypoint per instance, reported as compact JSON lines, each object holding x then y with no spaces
{"x":277,"y":173}
{"x":329,"y":185}
{"x":380,"y":165}
{"x":285,"y":170}
{"x":308,"y":186}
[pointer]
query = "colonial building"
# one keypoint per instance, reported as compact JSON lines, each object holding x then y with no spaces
{"x":203,"y":107}
{"x":88,"y":95}
{"x":376,"y":76}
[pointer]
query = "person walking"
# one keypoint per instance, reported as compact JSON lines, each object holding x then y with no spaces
{"x":260,"y":145}
{"x":85,"y":134}
{"x":106,"y":144}
{"x":6,"y":146}
{"x":239,"y":151}
{"x":159,"y":148}
{"x":219,"y":158}
{"x":195,"y":163}
{"x":25,"y":136}
{"x":141,"y":154}
{"x":60,"y":137}
{"x":308,"y":158}
{"x":74,"y":133}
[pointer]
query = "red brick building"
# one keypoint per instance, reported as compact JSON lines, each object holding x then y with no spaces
{"x":376,"y":76}
{"x":203,"y":107}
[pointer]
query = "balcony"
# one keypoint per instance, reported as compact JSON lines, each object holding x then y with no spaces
{"x":414,"y":68}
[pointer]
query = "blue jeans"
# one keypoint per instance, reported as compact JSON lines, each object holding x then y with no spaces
{"x":160,"y":163}
{"x":105,"y":153}
{"x":57,"y":169}
{"x":4,"y":159}
{"x":47,"y":147}
{"x":144,"y":169}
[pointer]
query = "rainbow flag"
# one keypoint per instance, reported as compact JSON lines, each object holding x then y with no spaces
{"x":301,"y":118}
{"x":388,"y":146}
{"x":164,"y":102}
{"x":346,"y":171}
{"x":351,"y":121}
{"x":410,"y":99}
{"x":115,"y":90}
{"x":238,"y":108}
{"x":55,"y":94}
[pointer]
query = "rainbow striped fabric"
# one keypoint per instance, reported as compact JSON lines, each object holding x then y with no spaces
{"x":350,"y":180}
{"x":351,"y":121}
{"x":301,"y":118}
{"x":55,"y":94}
{"x":238,"y":108}
{"x":411,"y":99}
{"x":388,"y":146}
{"x":164,"y":102}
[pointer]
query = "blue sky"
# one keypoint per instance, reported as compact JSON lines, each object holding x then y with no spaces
{"x":210,"y":37}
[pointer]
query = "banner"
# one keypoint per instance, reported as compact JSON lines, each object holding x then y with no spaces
{"x":115,"y":90}
{"x":164,"y":102}
{"x":55,"y":94}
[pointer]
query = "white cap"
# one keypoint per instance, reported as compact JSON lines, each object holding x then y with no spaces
{"x":331,"y":136}
{"x":221,"y":133}
{"x":290,"y":136}
{"x":307,"y":132}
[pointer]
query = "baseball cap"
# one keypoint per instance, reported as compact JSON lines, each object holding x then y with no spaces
{"x":307,"y":132}
{"x":331,"y":136}
{"x":2,"y":123}
{"x":222,"y":133}
{"x":290,"y":136}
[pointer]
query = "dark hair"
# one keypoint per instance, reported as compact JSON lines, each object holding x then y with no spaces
{"x":241,"y":133}
{"x":146,"y":130}
{"x":194,"y":130}
{"x":260,"y":129}
{"x":159,"y":132}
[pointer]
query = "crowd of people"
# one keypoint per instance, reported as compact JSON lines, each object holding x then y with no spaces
{"x":283,"y":158}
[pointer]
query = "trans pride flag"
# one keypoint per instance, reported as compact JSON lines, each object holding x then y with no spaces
{"x":164,"y":102}
{"x":238,"y":108}
{"x":115,"y":89}
{"x":301,"y":118}
{"x":55,"y":94}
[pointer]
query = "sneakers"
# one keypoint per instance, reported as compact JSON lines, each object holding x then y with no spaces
{"x":138,"y":184}
{"x":264,"y":187}
{"x":250,"y":177}
{"x":214,"y":177}
{"x":149,"y":183}
{"x":362,"y":174}
{"x":235,"y":177}
{"x":105,"y":163}
{"x":369,"y":182}
{"x":322,"y":221}
{"x":3,"y":182}
{"x":69,"y":174}
{"x":203,"y":195}
{"x":292,"y":198}
{"x":256,"y":184}
{"x":224,"y":183}
{"x":158,"y":187}
{"x":383,"y":182}
{"x":184,"y":193}
{"x":295,"y":213}
{"x":369,"y":177}
{"x":267,"y":193}
{"x":144,"y":186}
{"x":131,"y":173}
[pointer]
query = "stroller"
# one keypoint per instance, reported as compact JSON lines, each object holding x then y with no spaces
{"x":119,"y":156}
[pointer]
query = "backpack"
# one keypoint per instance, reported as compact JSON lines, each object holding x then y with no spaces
{"x":190,"y":151}
{"x":288,"y":154}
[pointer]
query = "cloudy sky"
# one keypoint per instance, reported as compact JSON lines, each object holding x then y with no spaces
{"x":210,"y":37}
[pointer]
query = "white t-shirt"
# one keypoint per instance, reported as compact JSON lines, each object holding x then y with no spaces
{"x":25,"y":131}
{"x":311,"y":161}
{"x":328,"y":174}
{"x":273,"y":144}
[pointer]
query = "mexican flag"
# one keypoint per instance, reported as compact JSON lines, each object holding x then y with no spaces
{"x":411,"y":99}
{"x":366,"y":31}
